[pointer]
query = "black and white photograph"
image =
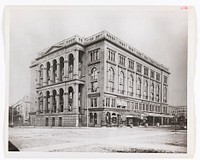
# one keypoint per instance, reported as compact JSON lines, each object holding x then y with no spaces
{"x":98,"y":79}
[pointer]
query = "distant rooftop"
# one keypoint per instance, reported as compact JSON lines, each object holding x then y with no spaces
{"x":99,"y":36}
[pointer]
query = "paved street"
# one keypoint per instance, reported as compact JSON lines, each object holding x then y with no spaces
{"x":128,"y":140}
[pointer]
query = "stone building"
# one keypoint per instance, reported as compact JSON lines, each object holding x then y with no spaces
{"x":97,"y":81}
{"x":19,"y":112}
{"x":179,"y":111}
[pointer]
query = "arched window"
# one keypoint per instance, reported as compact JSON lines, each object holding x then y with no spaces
{"x":111,"y":74}
{"x":41,"y":75}
{"x":131,"y":82}
{"x":54,"y":70}
{"x":61,"y":94}
{"x":139,"y":82}
{"x":121,"y":82}
{"x":70,"y":98}
{"x":54,"y":101}
{"x":48,"y":72}
{"x":111,"y":79}
{"x":48,"y":101}
{"x":61,"y":68}
{"x":146,"y":89}
{"x":41,"y":102}
{"x":71,"y":65}
{"x":94,"y":73}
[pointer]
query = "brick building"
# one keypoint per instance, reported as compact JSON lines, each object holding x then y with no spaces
{"x":97,"y":81}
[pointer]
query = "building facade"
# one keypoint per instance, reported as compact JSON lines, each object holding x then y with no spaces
{"x":19,"y":112}
{"x":97,"y":81}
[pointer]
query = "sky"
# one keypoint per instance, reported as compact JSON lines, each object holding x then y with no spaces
{"x":160,"y":33}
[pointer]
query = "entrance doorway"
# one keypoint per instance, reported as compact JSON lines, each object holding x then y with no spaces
{"x":53,"y":121}
{"x":46,"y":121}
{"x":60,"y":121}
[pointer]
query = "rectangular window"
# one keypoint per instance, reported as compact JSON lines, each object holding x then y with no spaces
{"x":107,"y":102}
{"x":165,"y":79}
{"x":144,"y":107}
{"x":113,"y":103}
{"x":122,"y":60}
{"x":146,"y":71}
{"x":156,"y":109}
{"x":94,"y":86}
{"x":158,"y":76}
{"x":131,"y":64}
{"x":111,"y":55}
{"x":93,"y":102}
{"x":147,"y":107}
{"x":94,"y":54}
{"x":153,"y":108}
{"x":152,"y":74}
{"x":111,"y":86}
{"x":128,"y":105}
{"x":140,"y":104}
{"x":132,"y":105}
{"x":139,"y":68}
{"x":136,"y":106}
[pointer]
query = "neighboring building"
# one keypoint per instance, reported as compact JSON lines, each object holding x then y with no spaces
{"x":179,"y":111}
{"x":19,"y":112}
{"x":97,"y":81}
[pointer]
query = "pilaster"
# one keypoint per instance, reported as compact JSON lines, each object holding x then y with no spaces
{"x":57,"y":103}
{"x":76,"y":59}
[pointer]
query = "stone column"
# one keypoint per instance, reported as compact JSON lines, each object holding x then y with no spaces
{"x":153,"y":121}
{"x":103,"y":119}
{"x":161,"y":121}
{"x":66,"y":69}
{"x":45,"y":76}
{"x":52,"y":75}
{"x":57,"y":103}
{"x":66,"y":102}
{"x":51,"y":103}
{"x":75,"y":102}
{"x":76,"y":59}
{"x":44,"y":103}
{"x":58,"y":72}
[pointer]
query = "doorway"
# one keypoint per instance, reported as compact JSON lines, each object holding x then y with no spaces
{"x":53,"y":121}
{"x":46,"y":121}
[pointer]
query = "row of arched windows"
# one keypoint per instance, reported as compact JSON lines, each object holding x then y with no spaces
{"x":154,"y":92}
{"x":54,"y":102}
{"x":111,"y":77}
{"x":52,"y":73}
